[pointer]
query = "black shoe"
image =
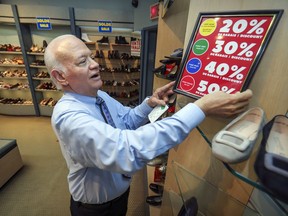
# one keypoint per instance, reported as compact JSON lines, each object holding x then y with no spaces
{"x":170,"y":61}
{"x":133,"y":39}
{"x":122,"y":40}
{"x":101,"y":55}
{"x":154,"y":200}
{"x":160,"y":70}
{"x":103,"y":40}
{"x":156,"y":188}
{"x":45,"y":44}
{"x":177,"y":53}
{"x":271,"y":164}
{"x":189,"y":208}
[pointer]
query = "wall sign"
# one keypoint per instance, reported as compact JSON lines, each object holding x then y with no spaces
{"x":135,"y":47}
{"x":43,"y":23}
{"x":224,"y":51}
{"x":154,"y":11}
{"x":105,"y":26}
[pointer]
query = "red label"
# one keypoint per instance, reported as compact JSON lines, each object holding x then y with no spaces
{"x":222,"y":53}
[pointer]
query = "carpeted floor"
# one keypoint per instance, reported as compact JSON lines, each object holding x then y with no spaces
{"x":40,"y":187}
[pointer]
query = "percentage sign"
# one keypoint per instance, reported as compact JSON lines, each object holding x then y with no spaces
{"x":256,"y":26}
{"x":227,"y":90}
{"x":237,"y":72}
{"x":246,"y":49}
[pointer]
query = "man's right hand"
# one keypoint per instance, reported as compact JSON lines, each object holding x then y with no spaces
{"x":224,"y":105}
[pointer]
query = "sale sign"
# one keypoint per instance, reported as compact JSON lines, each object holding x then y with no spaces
{"x":224,"y":51}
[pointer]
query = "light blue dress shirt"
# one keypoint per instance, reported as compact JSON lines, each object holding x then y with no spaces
{"x":97,"y":154}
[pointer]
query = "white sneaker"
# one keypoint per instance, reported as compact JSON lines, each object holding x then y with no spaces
{"x":85,"y":38}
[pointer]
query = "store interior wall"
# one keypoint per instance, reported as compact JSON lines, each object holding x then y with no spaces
{"x":114,"y":10}
{"x":269,"y":86}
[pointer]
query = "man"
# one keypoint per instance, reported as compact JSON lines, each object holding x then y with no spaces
{"x":101,"y":157}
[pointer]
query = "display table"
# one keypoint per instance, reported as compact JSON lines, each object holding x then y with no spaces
{"x":10,"y":159}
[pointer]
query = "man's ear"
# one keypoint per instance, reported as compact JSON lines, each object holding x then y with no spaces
{"x":60,"y":77}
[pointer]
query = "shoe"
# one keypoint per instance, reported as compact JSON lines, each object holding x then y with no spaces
{"x":44,"y":44}
{"x":85,"y":37}
{"x":159,"y":160}
{"x":154,"y":200}
{"x":235,"y":142}
{"x":156,"y":188}
{"x":172,"y":99}
{"x":122,"y":40}
{"x":171,"y":69}
{"x":169,"y":61}
{"x":101,"y":55}
{"x":160,"y":70}
{"x":104,"y":40}
{"x":189,"y":208}
{"x":271,"y":164}
{"x":133,"y":39}
{"x":177,"y":53}
{"x":172,"y":105}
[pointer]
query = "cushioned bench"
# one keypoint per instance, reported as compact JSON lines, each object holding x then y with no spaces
{"x":10,"y":159}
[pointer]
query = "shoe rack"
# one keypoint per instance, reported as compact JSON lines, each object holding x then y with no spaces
{"x":120,"y":71}
{"x":16,"y":97}
{"x":25,"y":85}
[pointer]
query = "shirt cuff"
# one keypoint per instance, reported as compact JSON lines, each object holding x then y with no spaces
{"x":191,"y":114}
{"x":145,"y":108}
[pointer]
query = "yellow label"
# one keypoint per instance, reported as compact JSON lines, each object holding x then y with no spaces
{"x":208,"y":27}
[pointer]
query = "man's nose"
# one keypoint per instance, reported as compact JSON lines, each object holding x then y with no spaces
{"x":93,"y":64}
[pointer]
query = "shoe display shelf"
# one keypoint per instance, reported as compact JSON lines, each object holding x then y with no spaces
{"x":46,"y":93}
{"x":15,"y":92}
{"x":33,"y":41}
{"x":120,"y":71}
{"x":245,"y":176}
{"x":242,"y":175}
{"x":211,"y":200}
{"x":122,"y":85}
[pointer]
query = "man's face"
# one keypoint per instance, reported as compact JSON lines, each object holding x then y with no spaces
{"x":82,"y":72}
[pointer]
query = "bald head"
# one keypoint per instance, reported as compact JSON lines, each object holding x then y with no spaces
{"x":57,"y":52}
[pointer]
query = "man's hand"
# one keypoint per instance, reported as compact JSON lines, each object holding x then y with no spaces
{"x":161,"y":95}
{"x":224,"y":105}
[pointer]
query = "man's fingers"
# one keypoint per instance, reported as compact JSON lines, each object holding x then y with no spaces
{"x":166,"y":87}
{"x":246,"y":95}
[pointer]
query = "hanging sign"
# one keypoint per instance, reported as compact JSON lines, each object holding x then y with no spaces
{"x":105,"y":26}
{"x":43,"y":23}
{"x":224,"y":51}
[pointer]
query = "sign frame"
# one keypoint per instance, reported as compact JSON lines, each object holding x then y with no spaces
{"x":43,"y":21}
{"x":186,"y":82}
{"x":105,"y":26}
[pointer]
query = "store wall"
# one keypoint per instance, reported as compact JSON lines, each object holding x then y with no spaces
{"x":114,"y":10}
{"x":269,"y":86}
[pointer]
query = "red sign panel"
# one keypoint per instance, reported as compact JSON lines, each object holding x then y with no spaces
{"x":224,"y":51}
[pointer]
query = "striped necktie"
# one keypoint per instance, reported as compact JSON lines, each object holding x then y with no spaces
{"x":105,"y":111}
{"x":107,"y":117}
